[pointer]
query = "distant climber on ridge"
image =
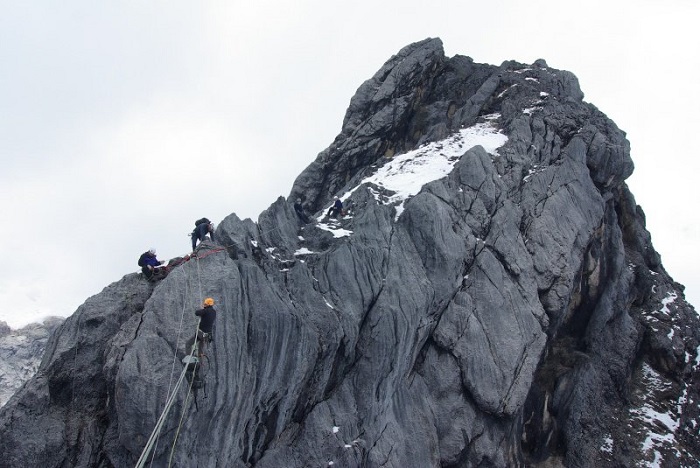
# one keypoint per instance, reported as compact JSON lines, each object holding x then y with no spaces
{"x":150,"y":266}
{"x":202,"y":227}
{"x":299,"y":210}
{"x":337,"y":209}
{"x":207,"y":316}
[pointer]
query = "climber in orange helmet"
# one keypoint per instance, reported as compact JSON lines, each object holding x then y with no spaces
{"x":207,"y":316}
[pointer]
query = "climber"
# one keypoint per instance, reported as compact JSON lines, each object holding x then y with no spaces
{"x":207,"y":316}
{"x":202,"y":227}
{"x":299,"y":209}
{"x":150,"y":266}
{"x":337,"y":209}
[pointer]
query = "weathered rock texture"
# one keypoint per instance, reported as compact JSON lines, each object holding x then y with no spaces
{"x":20,"y":353}
{"x":514,"y":314}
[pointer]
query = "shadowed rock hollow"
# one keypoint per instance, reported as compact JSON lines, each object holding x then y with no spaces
{"x":508,"y":310}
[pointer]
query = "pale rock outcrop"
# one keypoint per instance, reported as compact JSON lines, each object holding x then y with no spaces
{"x":21,"y":351}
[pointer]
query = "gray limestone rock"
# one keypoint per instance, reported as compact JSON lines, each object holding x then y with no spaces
{"x":510,"y":310}
{"x":21,"y":351}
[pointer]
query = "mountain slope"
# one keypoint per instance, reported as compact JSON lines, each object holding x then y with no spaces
{"x":492,"y":298}
{"x":20,"y":352}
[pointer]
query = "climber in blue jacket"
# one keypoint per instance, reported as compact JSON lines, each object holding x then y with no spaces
{"x":149,"y":266}
{"x":337,"y":208}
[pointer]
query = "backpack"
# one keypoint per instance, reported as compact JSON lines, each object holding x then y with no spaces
{"x":201,"y":221}
{"x":142,"y":259}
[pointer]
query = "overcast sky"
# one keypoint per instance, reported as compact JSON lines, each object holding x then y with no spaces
{"x":123,"y":122}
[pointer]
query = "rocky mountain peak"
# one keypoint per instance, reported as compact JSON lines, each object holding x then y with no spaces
{"x":489,"y":296}
{"x":419,"y":96}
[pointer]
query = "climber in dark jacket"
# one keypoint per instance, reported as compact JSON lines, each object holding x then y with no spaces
{"x":149,"y":266}
{"x":202,"y":228}
{"x":207,"y":316}
{"x":336,"y":209}
{"x":299,"y":209}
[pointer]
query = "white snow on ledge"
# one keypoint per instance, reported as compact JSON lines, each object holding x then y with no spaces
{"x":659,"y":419}
{"x":407,"y":173}
{"x":337,"y":231}
{"x":669,"y":299}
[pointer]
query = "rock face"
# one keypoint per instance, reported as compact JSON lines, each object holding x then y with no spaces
{"x":492,"y":298}
{"x":20,"y":353}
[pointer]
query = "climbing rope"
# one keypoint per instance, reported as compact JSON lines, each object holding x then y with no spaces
{"x":197,"y":364}
{"x":184,"y":407}
{"x":199,"y":279}
{"x":152,"y":440}
{"x":155,"y":434}
{"x":161,"y":420}
{"x":186,"y":289}
{"x":194,"y":372}
{"x":210,"y":252}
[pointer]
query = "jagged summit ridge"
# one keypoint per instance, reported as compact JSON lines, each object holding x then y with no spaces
{"x":406,"y":174}
{"x":506,"y":312}
{"x":419,"y":96}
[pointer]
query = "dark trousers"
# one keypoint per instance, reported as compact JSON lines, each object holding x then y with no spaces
{"x":302,"y":216}
{"x":199,"y":233}
{"x":155,"y":274}
{"x":334,"y":212}
{"x":202,"y":339}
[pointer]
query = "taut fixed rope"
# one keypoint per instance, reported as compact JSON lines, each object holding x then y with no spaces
{"x":195,"y":345}
{"x":152,"y":440}
{"x":159,"y":425}
{"x":177,"y":346}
